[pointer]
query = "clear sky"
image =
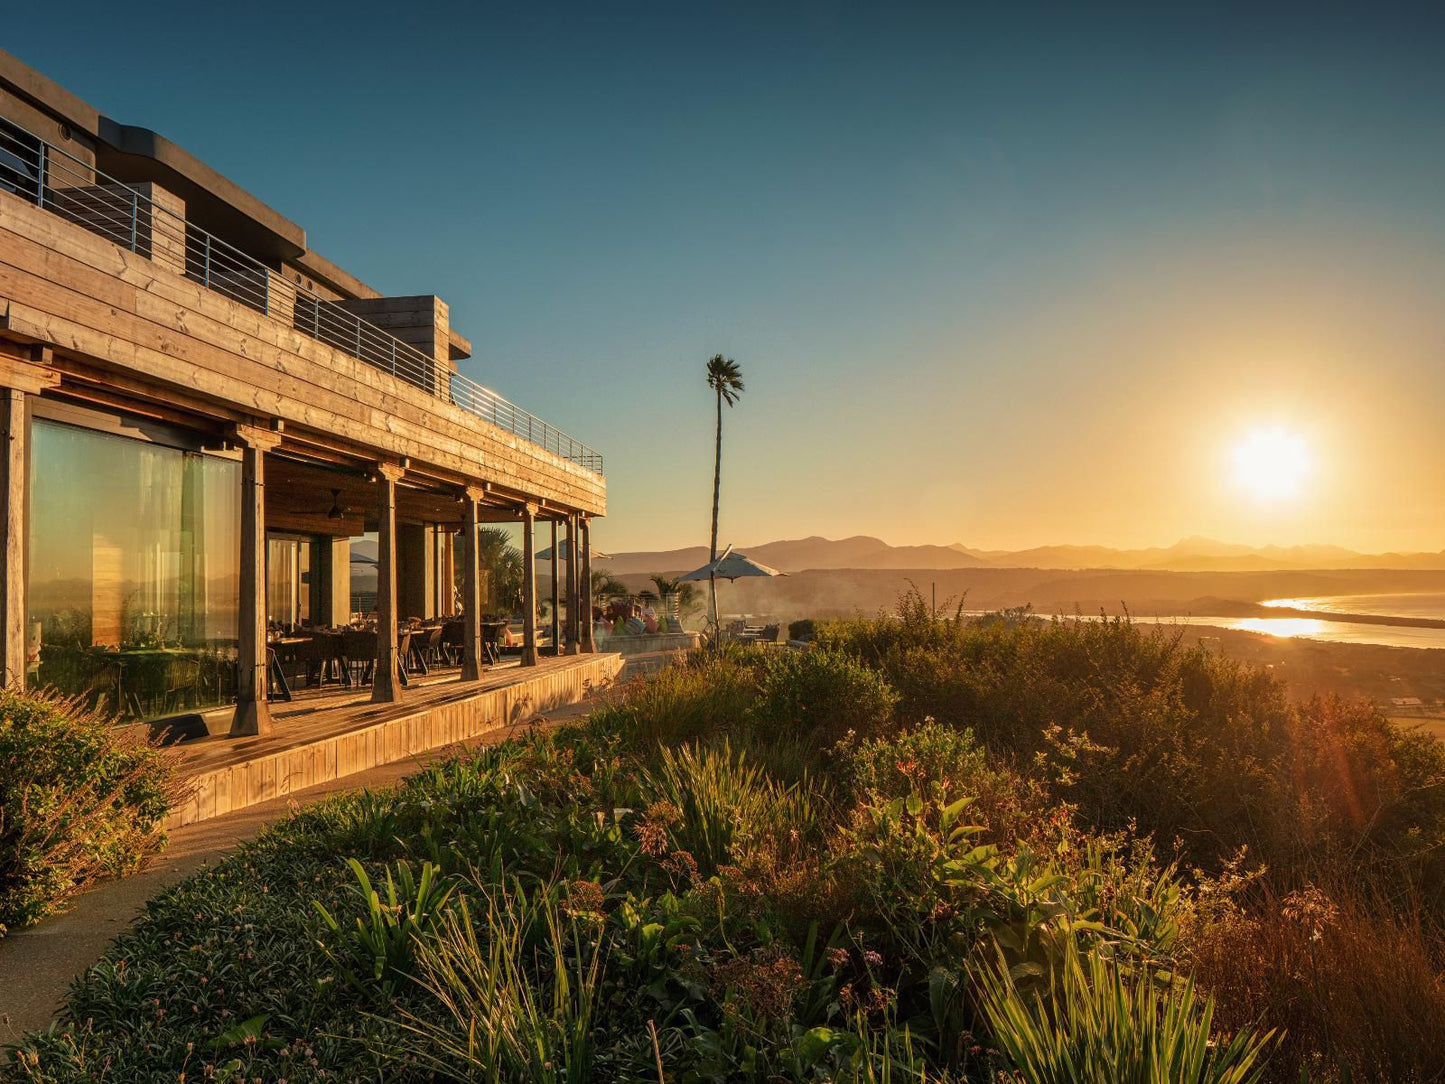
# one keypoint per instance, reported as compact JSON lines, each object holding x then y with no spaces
{"x":1000,"y":275}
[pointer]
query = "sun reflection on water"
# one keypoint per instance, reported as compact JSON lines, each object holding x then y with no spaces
{"x":1282,"y":626}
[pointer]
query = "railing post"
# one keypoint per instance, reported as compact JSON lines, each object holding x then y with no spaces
{"x":206,"y":265}
{"x":135,"y":221}
{"x":43,"y":169}
{"x":358,"y":338}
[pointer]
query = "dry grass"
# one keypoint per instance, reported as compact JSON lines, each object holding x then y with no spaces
{"x":1355,"y":983}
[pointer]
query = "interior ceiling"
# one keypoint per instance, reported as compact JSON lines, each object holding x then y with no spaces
{"x":297,"y":490}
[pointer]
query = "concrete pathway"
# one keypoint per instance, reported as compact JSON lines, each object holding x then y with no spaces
{"x":38,"y":964}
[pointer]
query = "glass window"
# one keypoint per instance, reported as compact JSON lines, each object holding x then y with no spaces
{"x":289,"y":582}
{"x":363,"y":574}
{"x":134,"y":571}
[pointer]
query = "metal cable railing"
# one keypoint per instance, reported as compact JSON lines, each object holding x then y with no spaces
{"x":59,"y":182}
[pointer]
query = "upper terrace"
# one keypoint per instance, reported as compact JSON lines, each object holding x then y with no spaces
{"x":149,"y":221}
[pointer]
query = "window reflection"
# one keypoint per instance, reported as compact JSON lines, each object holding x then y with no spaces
{"x":289,"y":581}
{"x":134,"y":577}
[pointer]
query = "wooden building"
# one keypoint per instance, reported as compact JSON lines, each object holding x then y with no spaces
{"x":208,"y":426}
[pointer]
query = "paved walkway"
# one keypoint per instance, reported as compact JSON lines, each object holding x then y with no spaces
{"x":38,"y":964}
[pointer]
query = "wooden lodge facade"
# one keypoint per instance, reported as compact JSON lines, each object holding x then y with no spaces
{"x":210,"y":430}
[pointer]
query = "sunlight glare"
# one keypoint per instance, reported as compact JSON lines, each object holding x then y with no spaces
{"x":1271,"y":464}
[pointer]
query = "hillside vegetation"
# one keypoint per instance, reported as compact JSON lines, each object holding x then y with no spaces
{"x":999,"y":850}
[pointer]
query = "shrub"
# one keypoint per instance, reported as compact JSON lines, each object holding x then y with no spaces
{"x":708,"y":800}
{"x":1142,"y":733}
{"x":80,"y":799}
{"x":708,"y":694}
{"x":801,"y":630}
{"x":936,"y":761}
{"x":822,"y":695}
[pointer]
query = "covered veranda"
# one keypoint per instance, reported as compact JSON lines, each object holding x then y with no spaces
{"x":311,"y":626}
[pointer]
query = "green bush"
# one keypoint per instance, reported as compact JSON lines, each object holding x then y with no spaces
{"x":822,"y":695}
{"x":1142,"y":732}
{"x":80,"y":799}
{"x":801,"y":630}
{"x":708,"y":695}
{"x":939,"y":763}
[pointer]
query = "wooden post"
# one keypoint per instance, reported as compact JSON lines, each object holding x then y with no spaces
{"x":18,"y":379}
{"x":253,"y":700}
{"x":588,"y":645}
{"x":386,"y":681}
{"x":14,"y":476}
{"x":556,"y":596}
{"x":573,"y":643}
{"x":471,"y":589}
{"x":529,"y":585}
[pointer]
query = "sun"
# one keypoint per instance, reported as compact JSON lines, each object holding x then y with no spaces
{"x":1271,"y":465}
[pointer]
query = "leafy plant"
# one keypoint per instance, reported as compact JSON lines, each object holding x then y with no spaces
{"x":381,"y":946}
{"x":1097,"y":1022}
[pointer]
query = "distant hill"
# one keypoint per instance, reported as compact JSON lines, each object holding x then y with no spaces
{"x":1188,"y":555}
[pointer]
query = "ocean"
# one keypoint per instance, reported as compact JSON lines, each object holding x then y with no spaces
{"x":1346,"y":632}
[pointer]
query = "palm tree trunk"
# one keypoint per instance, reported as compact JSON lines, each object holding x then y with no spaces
{"x":716,"y":492}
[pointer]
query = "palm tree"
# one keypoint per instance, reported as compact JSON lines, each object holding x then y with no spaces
{"x":726,"y":379}
{"x":606,"y":585}
{"x":684,"y":593}
{"x":501,"y":565}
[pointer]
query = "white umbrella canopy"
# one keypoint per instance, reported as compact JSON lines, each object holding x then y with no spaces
{"x":732,"y":566}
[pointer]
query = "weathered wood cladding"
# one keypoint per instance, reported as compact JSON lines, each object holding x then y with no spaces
{"x":60,"y":284}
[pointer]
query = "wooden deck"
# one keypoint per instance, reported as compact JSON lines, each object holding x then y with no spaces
{"x":328,"y":734}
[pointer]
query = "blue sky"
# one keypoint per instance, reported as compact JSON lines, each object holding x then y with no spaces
{"x":1003,"y":275}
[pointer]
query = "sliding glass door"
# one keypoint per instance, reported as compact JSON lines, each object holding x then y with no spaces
{"x":134,"y":571}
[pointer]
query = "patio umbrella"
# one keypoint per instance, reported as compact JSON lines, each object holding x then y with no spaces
{"x":730,"y":566}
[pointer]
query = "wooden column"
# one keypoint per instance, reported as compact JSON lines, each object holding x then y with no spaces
{"x":471,"y":588}
{"x":253,"y":700}
{"x":556,"y":596}
{"x":14,"y":479}
{"x":574,"y":645}
{"x":585,"y":589}
{"x":529,"y":585}
{"x":386,"y":682}
{"x":18,"y":379}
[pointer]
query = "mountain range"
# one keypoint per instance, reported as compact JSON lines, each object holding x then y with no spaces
{"x":864,"y":552}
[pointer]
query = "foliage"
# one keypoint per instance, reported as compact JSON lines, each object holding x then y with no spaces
{"x":80,"y":799}
{"x":379,"y":948}
{"x":821,"y":696}
{"x":1141,"y":732}
{"x":501,"y":563}
{"x":1098,"y":1021}
{"x":1355,"y":982}
{"x":685,"y":594}
{"x":758,"y":865}
{"x":606,"y":585}
{"x":518,"y":998}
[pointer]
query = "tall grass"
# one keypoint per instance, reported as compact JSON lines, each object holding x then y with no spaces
{"x":722,"y":801}
{"x":1355,"y":981}
{"x":1095,"y":1022}
{"x":515,"y":991}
